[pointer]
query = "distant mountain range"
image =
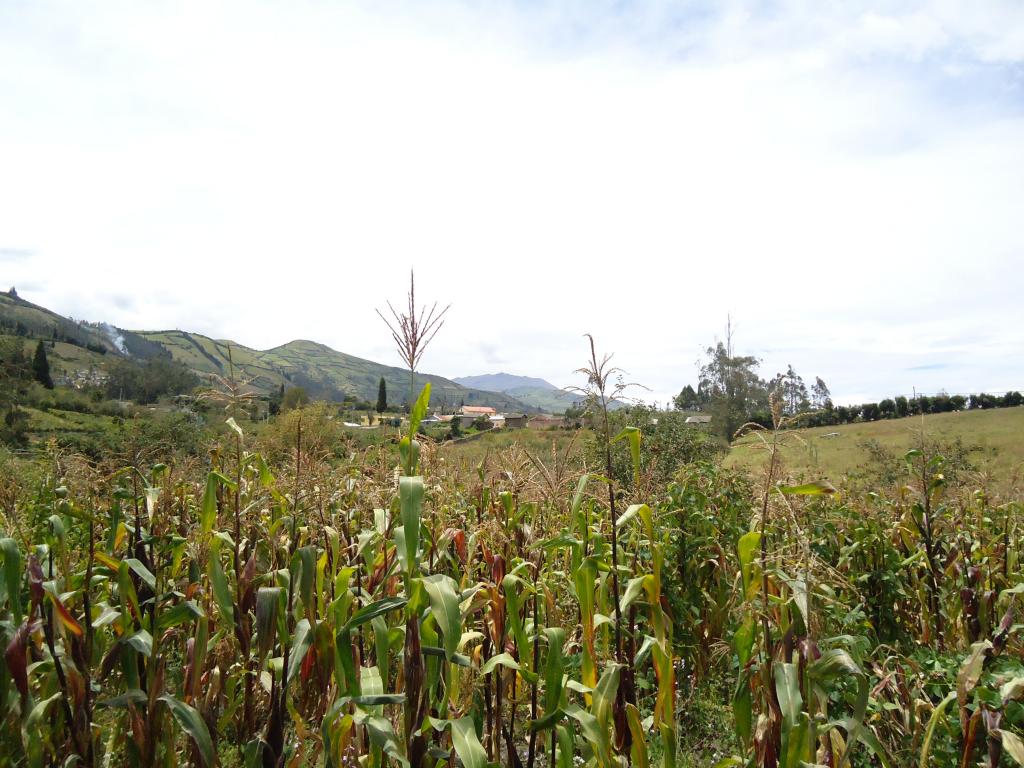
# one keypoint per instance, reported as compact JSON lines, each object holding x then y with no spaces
{"x":536,"y":393}
{"x":324,"y":372}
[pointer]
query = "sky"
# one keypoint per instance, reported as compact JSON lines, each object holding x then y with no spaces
{"x":844,"y":180}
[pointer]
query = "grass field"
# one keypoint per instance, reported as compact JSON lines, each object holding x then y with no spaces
{"x":55,"y":420}
{"x":994,"y":439}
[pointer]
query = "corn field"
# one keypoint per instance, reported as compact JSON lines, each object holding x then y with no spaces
{"x":392,"y":608}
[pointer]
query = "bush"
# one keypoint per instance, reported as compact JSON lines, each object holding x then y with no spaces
{"x":667,"y":445}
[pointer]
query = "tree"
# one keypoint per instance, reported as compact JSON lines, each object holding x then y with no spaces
{"x":820,"y":393}
{"x":276,"y":398}
{"x":734,"y":390}
{"x":147,"y":382}
{"x":382,"y":396}
{"x":687,"y":400}
{"x":295,"y":397}
{"x":791,"y":390}
{"x":41,"y":367}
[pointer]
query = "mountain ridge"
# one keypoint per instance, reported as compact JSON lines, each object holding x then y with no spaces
{"x":324,"y":372}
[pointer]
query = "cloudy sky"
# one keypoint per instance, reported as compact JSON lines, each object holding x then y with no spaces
{"x":845,"y":180}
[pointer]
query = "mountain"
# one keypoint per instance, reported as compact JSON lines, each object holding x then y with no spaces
{"x":536,"y":393}
{"x":323,"y":372}
{"x":502,"y":382}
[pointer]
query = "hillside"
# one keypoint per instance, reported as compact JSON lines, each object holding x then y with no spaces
{"x":991,"y":439}
{"x":536,"y":393}
{"x":324,"y":372}
{"x":82,"y":348}
{"x":26,"y":318}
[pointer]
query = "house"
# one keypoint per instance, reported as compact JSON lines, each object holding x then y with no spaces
{"x":477,"y":410}
{"x":515,"y":420}
{"x":698,"y":418}
{"x":497,"y":420}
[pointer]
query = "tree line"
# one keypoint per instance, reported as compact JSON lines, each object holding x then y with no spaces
{"x":731,"y":391}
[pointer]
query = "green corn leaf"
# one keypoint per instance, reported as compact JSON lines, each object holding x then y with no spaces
{"x":577,"y":498}
{"x":566,"y":746}
{"x":632,"y":435}
{"x":130,"y":698}
{"x":419,"y":410}
{"x":444,"y":606}
{"x":929,"y":731}
{"x":12,"y":575}
{"x":345,"y":664}
{"x":267,"y":602}
{"x":126,"y":590}
{"x":194,"y":725}
{"x":604,"y":694}
{"x":745,"y":549}
{"x":302,"y":639}
{"x":817,"y":488}
{"x":142,"y":572}
{"x":379,"y":699}
{"x":743,"y":641}
{"x":141,"y":641}
{"x":208,"y":508}
{"x":219,"y":582}
{"x":634,"y":590}
{"x":599,"y":736}
{"x":410,"y":493}
{"x":503,"y":659}
{"x":304,"y":560}
{"x":457,"y":659}
{"x":632,"y":511}
{"x":787,"y":689}
{"x":375,"y":609}
{"x":554,"y":670}
{"x":467,"y":745}
{"x":179,"y":614}
{"x":371,"y":691}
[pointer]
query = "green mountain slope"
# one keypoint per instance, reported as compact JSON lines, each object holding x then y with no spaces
{"x":544,"y":399}
{"x":324,"y":372}
{"x":28,"y":319}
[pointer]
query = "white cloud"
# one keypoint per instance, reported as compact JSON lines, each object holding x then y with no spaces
{"x":845,"y":180}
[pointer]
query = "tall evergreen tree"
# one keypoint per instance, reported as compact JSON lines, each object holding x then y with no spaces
{"x":41,"y":367}
{"x":687,"y":400}
{"x":382,"y":396}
